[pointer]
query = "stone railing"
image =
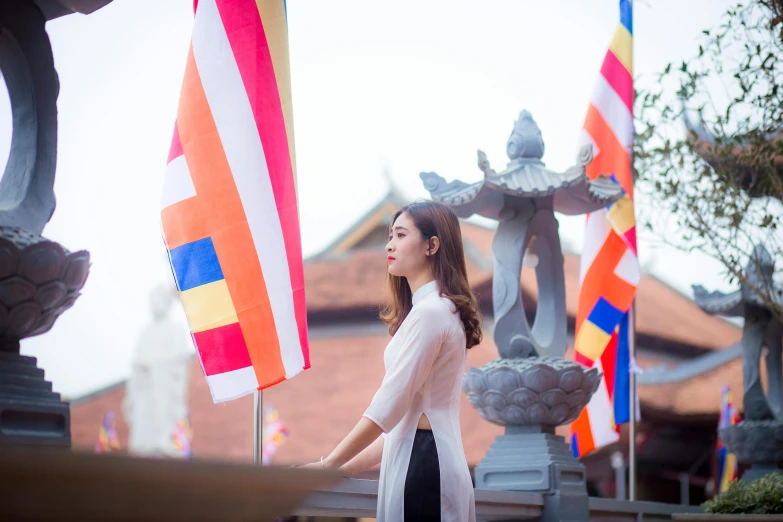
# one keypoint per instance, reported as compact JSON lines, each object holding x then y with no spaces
{"x":357,"y":498}
{"x":58,"y":485}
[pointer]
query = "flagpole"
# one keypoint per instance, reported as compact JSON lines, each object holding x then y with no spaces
{"x":632,"y":369}
{"x":258,"y":419}
{"x":632,"y":406}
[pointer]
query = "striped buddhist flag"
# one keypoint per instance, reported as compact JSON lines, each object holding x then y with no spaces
{"x":230,"y":218}
{"x":609,"y":272}
{"x":727,"y":461}
{"x":108,"y":441}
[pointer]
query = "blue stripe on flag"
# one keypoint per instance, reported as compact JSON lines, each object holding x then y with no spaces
{"x":196,"y":264}
{"x":605,"y":316}
{"x":622,"y":374}
{"x":721,"y":465}
{"x":574,"y":446}
{"x":625,"y":15}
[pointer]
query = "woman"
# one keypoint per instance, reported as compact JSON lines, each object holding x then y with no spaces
{"x":412,"y":424}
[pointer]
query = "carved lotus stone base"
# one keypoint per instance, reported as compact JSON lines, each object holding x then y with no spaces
{"x":547,"y":391}
{"x":530,"y":397}
{"x":39,"y":280}
{"x":758,"y":443}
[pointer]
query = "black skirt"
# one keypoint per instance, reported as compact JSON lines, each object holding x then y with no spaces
{"x":422,"y":483}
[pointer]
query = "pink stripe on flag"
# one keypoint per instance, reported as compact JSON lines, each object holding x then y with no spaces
{"x":619,"y":78}
{"x":176,"y":144}
{"x":226,"y":351}
{"x":245,"y":32}
{"x":630,"y":239}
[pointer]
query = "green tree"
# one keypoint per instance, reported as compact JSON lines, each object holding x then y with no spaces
{"x":709,"y":145}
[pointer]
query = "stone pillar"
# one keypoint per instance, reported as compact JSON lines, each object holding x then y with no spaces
{"x":39,"y":279}
{"x":531,"y":389}
{"x":530,"y":397}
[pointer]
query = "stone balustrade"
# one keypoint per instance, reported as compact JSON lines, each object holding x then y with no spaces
{"x":356,"y":498}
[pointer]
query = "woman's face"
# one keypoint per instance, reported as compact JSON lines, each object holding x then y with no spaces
{"x":407,"y":249}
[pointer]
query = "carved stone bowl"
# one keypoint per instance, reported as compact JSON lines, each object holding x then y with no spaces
{"x":39,"y":280}
{"x":755,"y":442}
{"x":548,"y":391}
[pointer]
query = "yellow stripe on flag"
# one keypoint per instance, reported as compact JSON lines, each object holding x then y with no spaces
{"x":621,"y":215}
{"x":209,"y":306}
{"x":622,"y":47}
{"x":591,"y":340}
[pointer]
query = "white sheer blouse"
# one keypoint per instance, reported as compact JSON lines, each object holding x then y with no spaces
{"x":424,"y":364}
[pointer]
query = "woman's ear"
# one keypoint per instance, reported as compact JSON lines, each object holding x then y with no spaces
{"x":434,"y":245}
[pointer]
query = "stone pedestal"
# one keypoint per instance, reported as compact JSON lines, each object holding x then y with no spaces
{"x":39,"y":280}
{"x":534,"y":459}
{"x":30,"y":412}
{"x":530,"y":397}
{"x":758,"y":443}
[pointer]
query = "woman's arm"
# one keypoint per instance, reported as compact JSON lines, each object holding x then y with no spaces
{"x":364,"y":433}
{"x":368,"y":458}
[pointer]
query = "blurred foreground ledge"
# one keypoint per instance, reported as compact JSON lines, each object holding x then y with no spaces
{"x":45,"y":484}
{"x":50,"y":484}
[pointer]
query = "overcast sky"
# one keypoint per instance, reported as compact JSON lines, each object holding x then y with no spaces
{"x":407,"y":86}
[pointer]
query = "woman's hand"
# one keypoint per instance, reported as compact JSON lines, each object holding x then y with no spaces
{"x":312,"y":465}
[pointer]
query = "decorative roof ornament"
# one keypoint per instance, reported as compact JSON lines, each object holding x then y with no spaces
{"x":526,"y":176}
{"x":758,"y":274}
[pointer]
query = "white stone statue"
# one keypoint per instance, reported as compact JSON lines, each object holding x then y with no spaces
{"x":156,"y":393}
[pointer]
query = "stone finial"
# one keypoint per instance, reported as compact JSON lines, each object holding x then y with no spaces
{"x":526,"y":140}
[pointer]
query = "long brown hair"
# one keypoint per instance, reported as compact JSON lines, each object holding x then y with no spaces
{"x":448,"y":268}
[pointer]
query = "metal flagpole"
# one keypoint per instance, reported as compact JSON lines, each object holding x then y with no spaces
{"x":632,"y":406}
{"x":632,"y":369}
{"x":258,"y":420}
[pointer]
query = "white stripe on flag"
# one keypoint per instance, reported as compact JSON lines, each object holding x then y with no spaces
{"x":614,"y":112}
{"x":236,"y":126}
{"x":628,"y":268}
{"x":601,"y":415}
{"x":177,"y":182}
{"x":585,"y":138}
{"x":232,"y":385}
{"x":597,"y":229}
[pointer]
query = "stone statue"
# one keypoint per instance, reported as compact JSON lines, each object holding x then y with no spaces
{"x":531,"y":389}
{"x":758,"y":439}
{"x":523,"y":199}
{"x":156,"y":393}
{"x":39,"y":279}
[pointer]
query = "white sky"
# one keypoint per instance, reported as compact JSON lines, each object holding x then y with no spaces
{"x":407,"y":85}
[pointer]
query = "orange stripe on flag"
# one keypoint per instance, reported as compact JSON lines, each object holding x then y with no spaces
{"x":600,"y":281}
{"x":612,"y":157}
{"x":219,"y":205}
{"x":584,"y":434}
{"x":184,"y":223}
